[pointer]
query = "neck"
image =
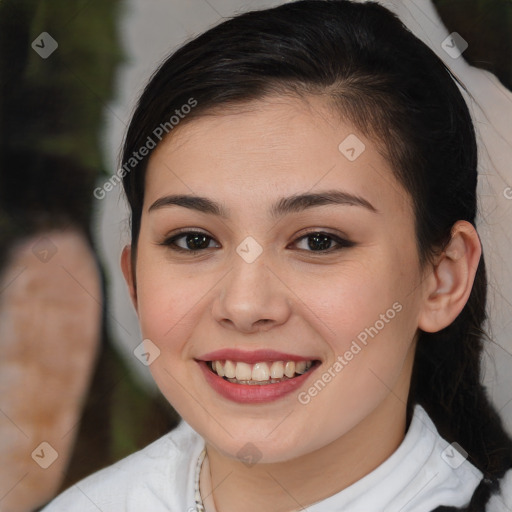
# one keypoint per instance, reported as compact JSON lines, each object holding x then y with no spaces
{"x":291,"y":485}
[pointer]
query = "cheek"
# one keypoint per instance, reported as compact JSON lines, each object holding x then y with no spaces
{"x":167,"y":301}
{"x":166,"y":297}
{"x":354,"y":298}
{"x":368,"y":316}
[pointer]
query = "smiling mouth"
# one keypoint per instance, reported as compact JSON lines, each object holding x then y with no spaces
{"x":272,"y":372}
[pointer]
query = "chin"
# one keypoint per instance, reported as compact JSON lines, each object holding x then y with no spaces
{"x":258,"y":448}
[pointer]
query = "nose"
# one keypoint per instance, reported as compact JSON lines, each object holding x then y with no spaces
{"x":252,"y":298}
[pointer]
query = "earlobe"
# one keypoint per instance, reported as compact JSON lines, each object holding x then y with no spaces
{"x":449,"y":286}
{"x":129,"y":274}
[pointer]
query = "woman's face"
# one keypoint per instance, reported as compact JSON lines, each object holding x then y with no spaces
{"x":280,"y":275}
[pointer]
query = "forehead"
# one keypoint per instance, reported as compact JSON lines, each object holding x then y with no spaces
{"x":269,"y":148}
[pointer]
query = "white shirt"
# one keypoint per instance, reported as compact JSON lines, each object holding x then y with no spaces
{"x":422,"y":474}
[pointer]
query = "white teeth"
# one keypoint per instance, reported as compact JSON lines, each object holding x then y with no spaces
{"x":300,"y":367}
{"x":229,"y":369}
{"x":260,"y":372}
{"x":289,"y":369}
{"x":219,"y":369}
{"x":243,"y":371}
{"x":277,"y":370}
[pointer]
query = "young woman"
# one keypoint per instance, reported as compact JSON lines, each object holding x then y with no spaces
{"x":307,"y":274}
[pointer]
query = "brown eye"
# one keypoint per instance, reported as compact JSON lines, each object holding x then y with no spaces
{"x":318,"y":241}
{"x":190,"y":241}
{"x":196,"y":241}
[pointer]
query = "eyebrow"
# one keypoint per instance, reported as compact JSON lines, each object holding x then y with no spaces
{"x":285,"y":205}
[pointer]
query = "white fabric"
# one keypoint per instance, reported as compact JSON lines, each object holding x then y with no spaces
{"x":160,"y":478}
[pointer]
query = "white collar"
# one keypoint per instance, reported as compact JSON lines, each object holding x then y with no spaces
{"x":415,"y":478}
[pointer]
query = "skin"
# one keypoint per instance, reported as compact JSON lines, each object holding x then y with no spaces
{"x":291,"y":298}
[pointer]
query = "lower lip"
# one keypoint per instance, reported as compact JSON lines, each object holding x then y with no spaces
{"x":254,"y":394}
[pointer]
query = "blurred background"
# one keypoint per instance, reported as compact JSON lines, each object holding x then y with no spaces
{"x":73,"y":395}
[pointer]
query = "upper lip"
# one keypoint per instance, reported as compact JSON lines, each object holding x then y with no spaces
{"x":251,"y":357}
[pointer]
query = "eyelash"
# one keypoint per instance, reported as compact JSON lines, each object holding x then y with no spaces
{"x":170,"y":242}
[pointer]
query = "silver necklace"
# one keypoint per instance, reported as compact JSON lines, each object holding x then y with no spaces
{"x":197,"y":491}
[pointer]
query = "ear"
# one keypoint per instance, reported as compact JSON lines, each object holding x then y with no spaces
{"x":449,"y":284}
{"x":129,"y":273}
